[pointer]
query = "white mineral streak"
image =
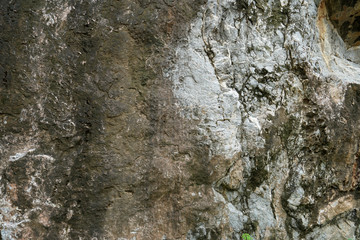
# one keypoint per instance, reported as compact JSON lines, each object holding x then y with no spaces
{"x":20,"y":155}
{"x":45,"y":157}
{"x":59,"y":16}
{"x":224,"y":61}
{"x":13,"y":219}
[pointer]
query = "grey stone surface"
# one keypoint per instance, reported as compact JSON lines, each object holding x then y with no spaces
{"x":162,"y":119}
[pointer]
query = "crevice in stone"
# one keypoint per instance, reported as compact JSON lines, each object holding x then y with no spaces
{"x":207,"y":46}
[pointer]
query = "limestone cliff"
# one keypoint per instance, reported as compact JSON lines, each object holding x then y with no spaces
{"x":186,"y":119}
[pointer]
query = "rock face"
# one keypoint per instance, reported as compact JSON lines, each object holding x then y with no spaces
{"x":163,"y":119}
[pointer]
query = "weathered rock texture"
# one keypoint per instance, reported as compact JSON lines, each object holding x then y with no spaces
{"x":187,"y":119}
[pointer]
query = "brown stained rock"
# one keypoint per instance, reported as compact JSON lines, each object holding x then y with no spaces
{"x":337,"y":207}
{"x":112,"y":154}
{"x":345,"y":16}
